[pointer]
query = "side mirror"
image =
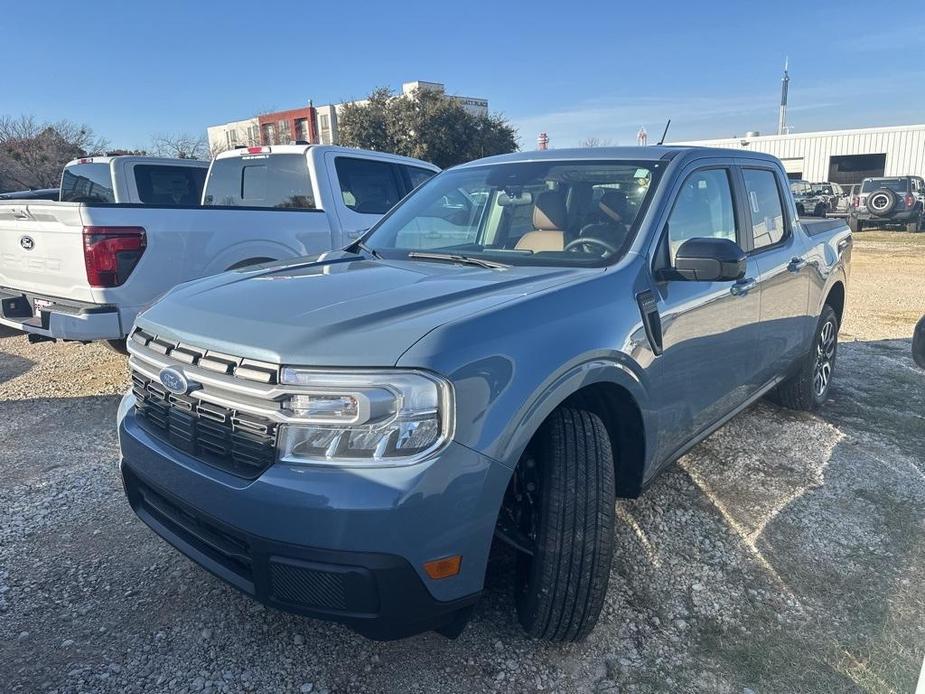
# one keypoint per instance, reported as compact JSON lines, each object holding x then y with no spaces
{"x":710,"y":260}
{"x":918,"y":343}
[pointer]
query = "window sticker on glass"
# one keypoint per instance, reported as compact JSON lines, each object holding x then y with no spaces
{"x":754,"y":198}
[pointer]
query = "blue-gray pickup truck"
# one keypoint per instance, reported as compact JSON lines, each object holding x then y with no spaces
{"x":519,"y":343}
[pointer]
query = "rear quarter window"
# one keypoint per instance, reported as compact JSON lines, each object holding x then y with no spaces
{"x":267,"y":180}
{"x":91,"y":182}
{"x":169,"y":185}
{"x":368,"y":186}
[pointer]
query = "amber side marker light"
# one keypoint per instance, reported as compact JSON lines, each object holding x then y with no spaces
{"x":443,"y":568}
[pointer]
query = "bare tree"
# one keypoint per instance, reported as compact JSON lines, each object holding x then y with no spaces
{"x":179,"y":146}
{"x":595,"y":142}
{"x":33,"y":153}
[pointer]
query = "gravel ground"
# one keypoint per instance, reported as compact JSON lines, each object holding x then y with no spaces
{"x":785,"y":553}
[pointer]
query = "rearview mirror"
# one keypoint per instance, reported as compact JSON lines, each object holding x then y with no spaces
{"x":710,"y":260}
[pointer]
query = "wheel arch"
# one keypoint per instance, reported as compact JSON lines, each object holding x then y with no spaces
{"x":619,"y":402}
{"x":836,"y":299}
{"x":248,"y":262}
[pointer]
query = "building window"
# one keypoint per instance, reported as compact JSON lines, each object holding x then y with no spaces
{"x":231,"y":137}
{"x":285,"y":132}
{"x":324,"y":122}
{"x":301,"y":129}
{"x":253,"y":135}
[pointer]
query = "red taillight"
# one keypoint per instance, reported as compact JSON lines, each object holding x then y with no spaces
{"x":111,"y":253}
{"x":910,"y":200}
{"x":856,"y":201}
{"x":257,"y":150}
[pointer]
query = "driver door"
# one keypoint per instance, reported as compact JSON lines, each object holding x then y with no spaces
{"x":709,"y":329}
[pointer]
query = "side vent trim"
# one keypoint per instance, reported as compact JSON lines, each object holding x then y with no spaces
{"x":651,"y":321}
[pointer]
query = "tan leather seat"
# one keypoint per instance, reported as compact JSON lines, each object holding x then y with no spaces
{"x":549,"y":220}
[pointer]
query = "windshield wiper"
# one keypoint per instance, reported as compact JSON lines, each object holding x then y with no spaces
{"x":372,"y":251}
{"x":462,"y":259}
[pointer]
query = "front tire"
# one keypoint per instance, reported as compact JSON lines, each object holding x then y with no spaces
{"x":809,"y":387}
{"x":561,"y":587}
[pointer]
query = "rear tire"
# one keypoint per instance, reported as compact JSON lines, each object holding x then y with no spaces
{"x":809,"y":387}
{"x":561,"y":588}
{"x":912,"y":227}
{"x":117,"y":346}
{"x":855,"y":225}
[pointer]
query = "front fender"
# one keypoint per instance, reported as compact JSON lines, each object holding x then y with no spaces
{"x":617,"y":370}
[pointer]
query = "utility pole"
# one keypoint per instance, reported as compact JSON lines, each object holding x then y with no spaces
{"x":782,"y":128}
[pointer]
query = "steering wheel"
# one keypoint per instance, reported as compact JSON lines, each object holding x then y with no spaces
{"x":589,"y":241}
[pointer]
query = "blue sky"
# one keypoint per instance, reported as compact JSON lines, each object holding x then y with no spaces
{"x":575,"y":70}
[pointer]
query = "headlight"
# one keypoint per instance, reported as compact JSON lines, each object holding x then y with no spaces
{"x":374,"y":418}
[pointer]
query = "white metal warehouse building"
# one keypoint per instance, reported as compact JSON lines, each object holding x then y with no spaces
{"x":839,"y":156}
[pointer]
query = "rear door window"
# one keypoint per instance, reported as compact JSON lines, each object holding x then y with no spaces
{"x":765,"y":207}
{"x":265,"y":180}
{"x":368,"y":186}
{"x":90,"y":182}
{"x":169,"y":185}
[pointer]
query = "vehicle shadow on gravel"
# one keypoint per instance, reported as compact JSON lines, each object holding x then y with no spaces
{"x":781,"y":554}
{"x":12,"y":366}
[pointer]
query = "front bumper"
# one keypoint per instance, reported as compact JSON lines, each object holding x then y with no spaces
{"x":60,"y":319}
{"x":340,"y":544}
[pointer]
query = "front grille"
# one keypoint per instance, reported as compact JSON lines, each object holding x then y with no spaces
{"x":240,"y":443}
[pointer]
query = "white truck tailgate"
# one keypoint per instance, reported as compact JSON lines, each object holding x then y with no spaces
{"x":41,"y":250}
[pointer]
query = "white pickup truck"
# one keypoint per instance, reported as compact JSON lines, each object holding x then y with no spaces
{"x":82,"y":269}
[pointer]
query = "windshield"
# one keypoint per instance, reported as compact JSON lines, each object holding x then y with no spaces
{"x":897,"y":185}
{"x":822,"y":189}
{"x":524,"y":213}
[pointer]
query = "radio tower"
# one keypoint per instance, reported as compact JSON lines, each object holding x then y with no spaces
{"x":782,"y":127}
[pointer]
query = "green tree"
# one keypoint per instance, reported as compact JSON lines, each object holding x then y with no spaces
{"x":426,"y":125}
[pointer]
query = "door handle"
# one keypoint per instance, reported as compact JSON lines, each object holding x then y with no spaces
{"x":796,"y":264}
{"x":743,"y":286}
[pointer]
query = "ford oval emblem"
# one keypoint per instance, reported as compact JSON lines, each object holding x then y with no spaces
{"x":174,"y":380}
{"x":27,"y":242}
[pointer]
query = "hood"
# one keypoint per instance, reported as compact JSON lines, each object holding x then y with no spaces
{"x":342,"y":310}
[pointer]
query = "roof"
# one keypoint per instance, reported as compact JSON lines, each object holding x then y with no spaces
{"x":302,"y":149}
{"x":138,"y":159}
{"x":809,"y":134}
{"x":650,"y":153}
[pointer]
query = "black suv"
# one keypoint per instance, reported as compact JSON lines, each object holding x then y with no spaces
{"x":889,"y":201}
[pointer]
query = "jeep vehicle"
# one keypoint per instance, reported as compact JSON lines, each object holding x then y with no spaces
{"x":519,"y":343}
{"x":889,"y":201}
{"x":811,"y":198}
